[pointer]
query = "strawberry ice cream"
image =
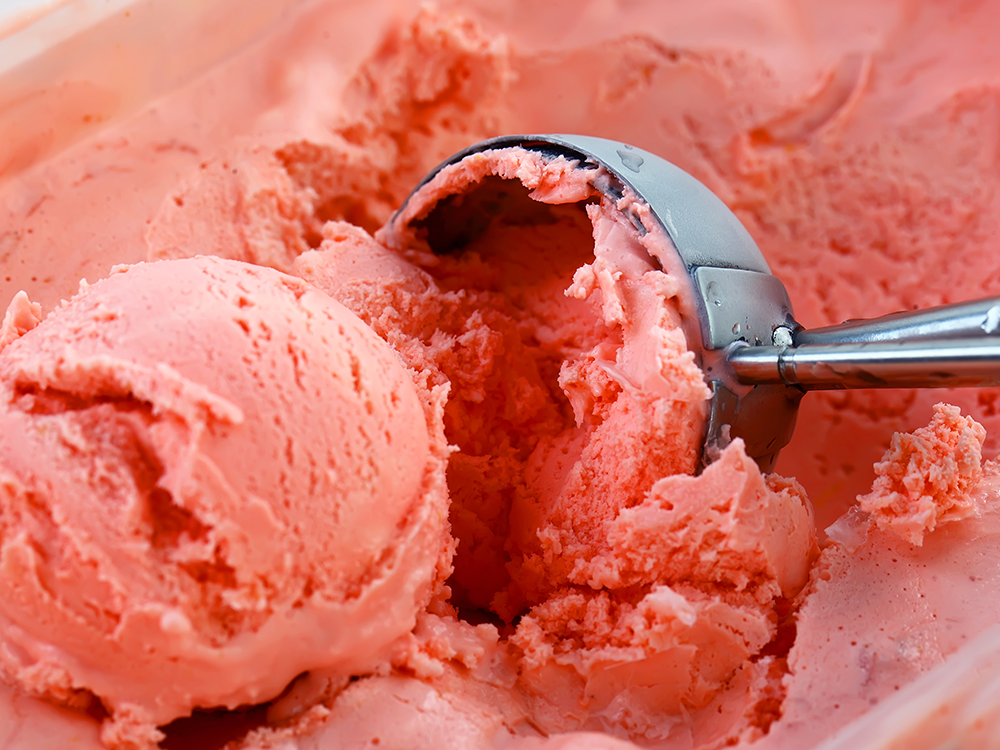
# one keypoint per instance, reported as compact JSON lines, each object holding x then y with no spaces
{"x":538,"y":561}
{"x":214,"y":479}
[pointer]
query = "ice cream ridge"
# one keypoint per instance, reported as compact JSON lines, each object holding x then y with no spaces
{"x":323,"y":463}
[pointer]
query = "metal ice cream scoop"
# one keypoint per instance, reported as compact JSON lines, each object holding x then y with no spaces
{"x":757,"y":359}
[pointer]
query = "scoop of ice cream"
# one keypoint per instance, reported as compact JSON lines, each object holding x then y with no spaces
{"x":213,"y":478}
{"x":576,"y":408}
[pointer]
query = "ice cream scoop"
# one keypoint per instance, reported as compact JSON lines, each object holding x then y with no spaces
{"x":737,"y":316}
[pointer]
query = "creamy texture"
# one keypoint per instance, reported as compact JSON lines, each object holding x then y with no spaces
{"x":631,"y":581}
{"x":855,"y":143}
{"x":879,"y":615}
{"x":214,"y":478}
{"x":621,"y":368}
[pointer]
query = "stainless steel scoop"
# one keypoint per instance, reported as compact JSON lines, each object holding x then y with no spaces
{"x":757,"y":360}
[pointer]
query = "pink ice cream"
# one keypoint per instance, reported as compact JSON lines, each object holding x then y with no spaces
{"x":603,"y":594}
{"x":577,"y":411}
{"x":214,"y":479}
{"x":927,"y":478}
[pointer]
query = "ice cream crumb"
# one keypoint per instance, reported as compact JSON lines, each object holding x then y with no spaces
{"x":926,"y":477}
{"x":22,"y":315}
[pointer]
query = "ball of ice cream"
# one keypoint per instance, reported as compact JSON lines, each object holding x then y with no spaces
{"x":213,"y":478}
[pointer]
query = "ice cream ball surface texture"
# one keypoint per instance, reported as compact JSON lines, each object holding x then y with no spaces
{"x":213,"y":478}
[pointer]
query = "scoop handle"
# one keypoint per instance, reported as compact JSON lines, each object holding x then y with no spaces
{"x":960,"y":320}
{"x":943,"y":363}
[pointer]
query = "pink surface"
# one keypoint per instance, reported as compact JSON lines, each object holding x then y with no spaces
{"x":617,"y":601}
{"x":184,"y":444}
{"x":876,"y":618}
